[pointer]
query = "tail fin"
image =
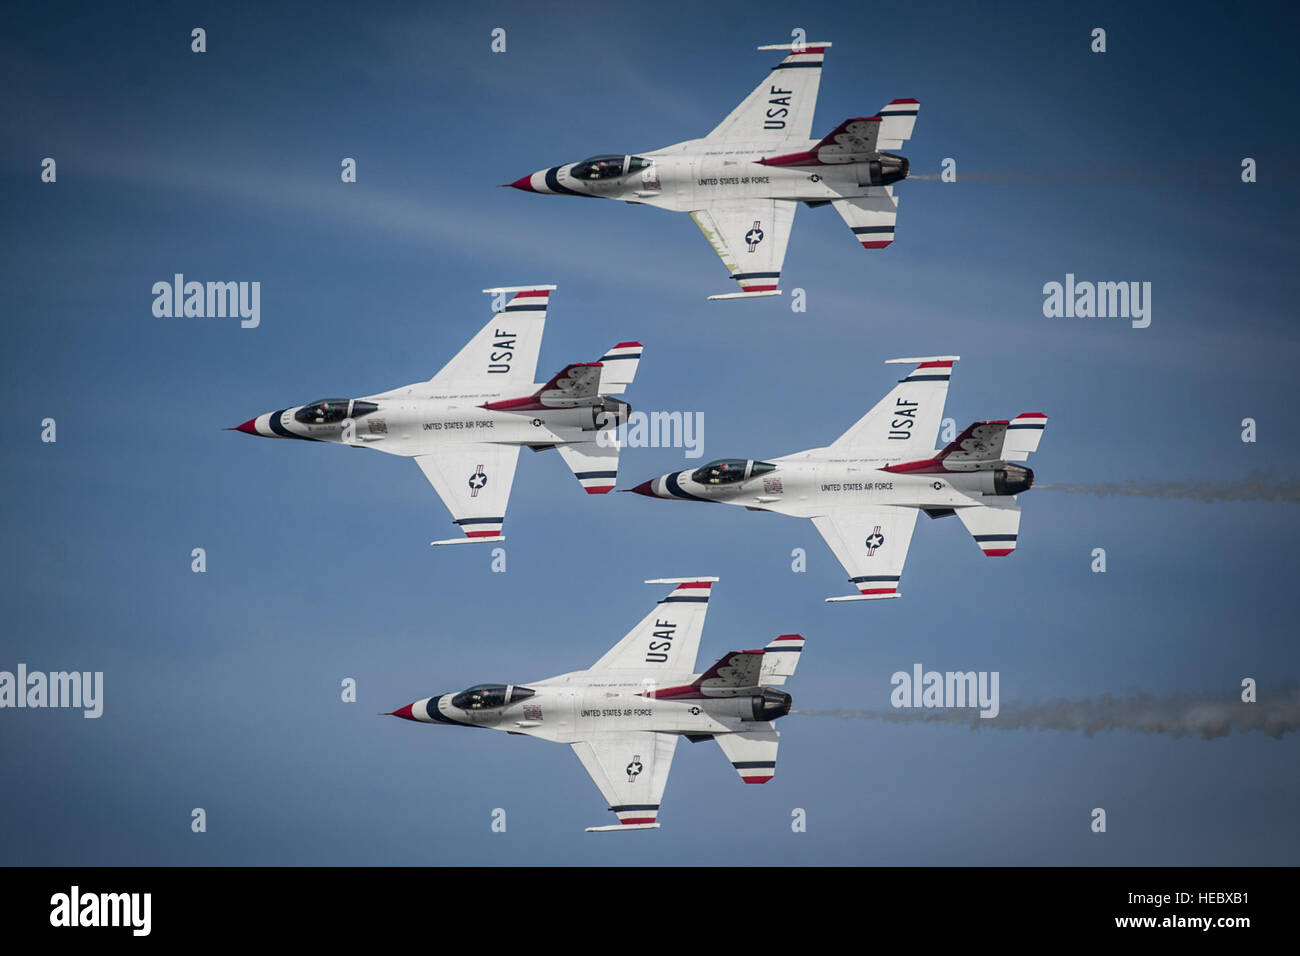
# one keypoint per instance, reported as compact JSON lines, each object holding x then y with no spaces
{"x":618,"y":367}
{"x":985,"y":445}
{"x":744,"y":671}
{"x":574,"y":386}
{"x":853,"y":141}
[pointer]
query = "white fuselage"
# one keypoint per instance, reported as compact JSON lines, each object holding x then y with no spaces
{"x":810,"y":483}
{"x":578,"y":705}
{"x":694,"y":175}
{"x":403,"y":424}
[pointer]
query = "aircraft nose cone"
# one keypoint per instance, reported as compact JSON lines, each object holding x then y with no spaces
{"x":525,"y":183}
{"x":248,"y":428}
{"x":645,"y":488}
{"x":403,"y":712}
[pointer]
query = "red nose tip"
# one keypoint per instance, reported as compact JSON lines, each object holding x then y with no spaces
{"x":645,"y":488}
{"x":248,"y":428}
{"x":401,"y":712}
{"x":525,"y":183}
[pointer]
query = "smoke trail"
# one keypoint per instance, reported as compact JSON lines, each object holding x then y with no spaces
{"x":1256,"y":486}
{"x":1085,"y":177}
{"x":1276,"y":714}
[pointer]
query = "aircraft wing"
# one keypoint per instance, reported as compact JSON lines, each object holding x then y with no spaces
{"x":749,"y":236}
{"x":781,"y":107}
{"x":474,"y":483}
{"x":871,"y":544}
{"x":630,"y":768}
{"x":906,"y":421}
{"x":668,"y":638}
{"x":502,"y":356}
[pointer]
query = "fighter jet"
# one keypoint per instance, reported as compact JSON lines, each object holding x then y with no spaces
{"x":742,"y":182}
{"x":465,"y":426}
{"x":863,"y":491}
{"x":624,"y":715}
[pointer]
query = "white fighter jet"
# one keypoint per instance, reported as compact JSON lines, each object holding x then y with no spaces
{"x":864,"y":490}
{"x":624,"y":715}
{"x":742,"y":182}
{"x":465,"y":426}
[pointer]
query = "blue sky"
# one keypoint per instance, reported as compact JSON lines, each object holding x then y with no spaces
{"x":222,"y":689}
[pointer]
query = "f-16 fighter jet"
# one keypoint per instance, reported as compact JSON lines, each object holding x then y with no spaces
{"x":742,"y":182}
{"x":864,"y":490}
{"x":465,"y":426}
{"x":624,"y":715}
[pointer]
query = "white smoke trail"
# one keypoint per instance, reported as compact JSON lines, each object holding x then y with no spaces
{"x":1083,"y":177}
{"x":1256,"y":486}
{"x":1275,"y":713}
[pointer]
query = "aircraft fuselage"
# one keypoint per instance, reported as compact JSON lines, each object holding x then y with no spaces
{"x":806,"y":485}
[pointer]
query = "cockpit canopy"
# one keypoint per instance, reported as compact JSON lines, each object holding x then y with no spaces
{"x":485,"y":696}
{"x":608,"y":167}
{"x":726,"y":471}
{"x":329,"y":411}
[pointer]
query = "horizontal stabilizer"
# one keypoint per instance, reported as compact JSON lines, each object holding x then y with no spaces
{"x":862,"y":597}
{"x":618,"y":367}
{"x":1023,"y":435}
{"x":897,"y":120}
{"x":994,"y":526}
{"x":870,"y":218}
{"x":752,"y":754}
{"x":780,"y":658}
{"x":593,"y":464}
